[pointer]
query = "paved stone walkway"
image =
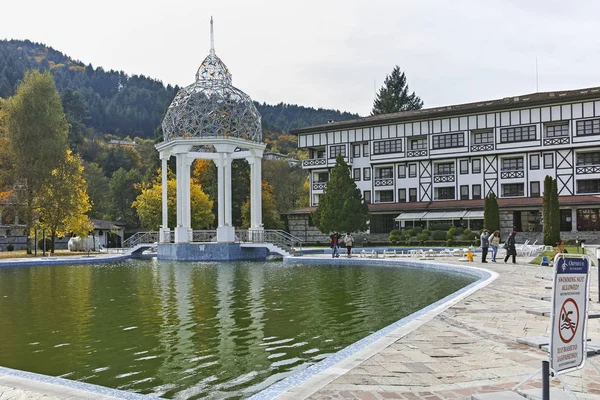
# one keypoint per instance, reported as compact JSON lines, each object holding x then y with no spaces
{"x":469,"y":348}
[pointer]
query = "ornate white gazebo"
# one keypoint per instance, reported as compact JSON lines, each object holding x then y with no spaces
{"x":211,"y":119}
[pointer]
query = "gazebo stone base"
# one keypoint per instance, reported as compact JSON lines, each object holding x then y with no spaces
{"x":210,"y":252}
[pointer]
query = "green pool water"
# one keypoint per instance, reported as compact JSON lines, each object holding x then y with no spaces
{"x":196,"y":330}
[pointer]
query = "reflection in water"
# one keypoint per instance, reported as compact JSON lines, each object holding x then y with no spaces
{"x":194,"y":330}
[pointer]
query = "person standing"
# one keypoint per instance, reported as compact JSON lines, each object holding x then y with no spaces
{"x":495,"y":243}
{"x":485,"y":244}
{"x":349,"y":241}
{"x":511,"y":248}
{"x":335,"y":242}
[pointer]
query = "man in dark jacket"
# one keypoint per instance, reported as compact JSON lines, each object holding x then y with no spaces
{"x":335,"y":242}
{"x":485,"y":244}
{"x":511,"y":248}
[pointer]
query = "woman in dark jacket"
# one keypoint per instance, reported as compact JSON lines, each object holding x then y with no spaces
{"x":511,"y":249}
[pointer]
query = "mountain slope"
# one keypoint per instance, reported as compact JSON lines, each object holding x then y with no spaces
{"x":126,"y":105}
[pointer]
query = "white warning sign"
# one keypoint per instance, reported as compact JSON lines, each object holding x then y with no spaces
{"x":569,"y":313}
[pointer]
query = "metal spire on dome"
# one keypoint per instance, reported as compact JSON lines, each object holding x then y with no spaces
{"x":212,"y":37}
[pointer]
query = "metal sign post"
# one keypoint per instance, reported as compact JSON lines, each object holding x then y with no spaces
{"x":570,"y":296}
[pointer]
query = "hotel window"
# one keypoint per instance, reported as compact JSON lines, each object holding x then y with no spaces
{"x":513,"y":190}
{"x":401,"y":171}
{"x":337,"y":150}
{"x":412,"y":170}
{"x":366,"y":150}
{"x":512,"y":164}
{"x":548,"y":160}
{"x":367,"y":174}
{"x":588,"y":219}
{"x":483,"y":137}
{"x":387,"y":146}
{"x":317,"y":153}
{"x":322,"y":177}
{"x":418,"y":144}
{"x":444,"y":169}
{"x":557,"y":130}
{"x":356,"y":173}
{"x":367,"y":196}
{"x":464,"y":166}
{"x":588,"y":158}
{"x":588,"y":186}
{"x":412,"y":195}
{"x":534,"y":161}
{"x":517,"y":134}
{"x":464,"y":192}
{"x":356,"y":151}
{"x":386,"y":196}
{"x":589,"y":127}
{"x":384,"y":173}
{"x":534,"y":189}
{"x":476,"y":192}
{"x":476,"y":166}
{"x":444,"y":193}
{"x":401,"y":195}
{"x":448,"y":141}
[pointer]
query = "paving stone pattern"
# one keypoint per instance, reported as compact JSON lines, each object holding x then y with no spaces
{"x":471,"y":347}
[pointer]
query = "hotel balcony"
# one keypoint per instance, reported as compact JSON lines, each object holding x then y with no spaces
{"x":314,"y":162}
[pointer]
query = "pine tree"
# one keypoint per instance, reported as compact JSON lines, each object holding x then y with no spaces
{"x":491,"y":214}
{"x":341,"y":207}
{"x":546,"y":206}
{"x":554,"y":214}
{"x":394,"y":96}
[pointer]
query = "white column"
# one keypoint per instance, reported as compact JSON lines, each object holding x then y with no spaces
{"x":165,"y":204}
{"x":256,"y":187}
{"x":228,"y":219}
{"x":252,"y":193}
{"x":573,"y":220}
{"x":188,"y":191}
{"x":221,"y":189}
{"x":181,"y":235}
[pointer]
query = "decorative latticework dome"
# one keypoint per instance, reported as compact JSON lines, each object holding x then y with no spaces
{"x":211,"y":106}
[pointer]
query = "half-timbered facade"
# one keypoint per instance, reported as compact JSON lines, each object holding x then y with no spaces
{"x":450,"y":158}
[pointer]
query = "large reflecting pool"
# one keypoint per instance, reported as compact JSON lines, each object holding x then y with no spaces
{"x":194,"y":330}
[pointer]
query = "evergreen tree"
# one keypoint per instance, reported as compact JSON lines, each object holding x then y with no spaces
{"x":394,"y":96}
{"x":341,"y":206}
{"x":546,"y":206}
{"x":491,"y":214}
{"x":37,"y":130}
{"x":554,"y":214}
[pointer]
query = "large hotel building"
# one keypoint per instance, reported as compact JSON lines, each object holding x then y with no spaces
{"x":438,"y":164}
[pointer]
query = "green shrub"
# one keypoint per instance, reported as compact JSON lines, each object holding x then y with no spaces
{"x":417,"y":230}
{"x":472,"y":236}
{"x":404,"y":237}
{"x":48,"y":244}
{"x":438,"y":235}
{"x":395,"y":232}
{"x":439,"y":227}
{"x":410,"y":232}
{"x":466,"y":232}
{"x":449,"y":242}
{"x":459,"y":230}
{"x":10,"y":247}
{"x":452,"y":230}
{"x":426,"y":231}
{"x":422,"y":237}
{"x":449,"y":235}
{"x":394,"y":239}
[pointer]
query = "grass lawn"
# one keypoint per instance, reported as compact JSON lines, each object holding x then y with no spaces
{"x":23,"y":253}
{"x":569,"y":249}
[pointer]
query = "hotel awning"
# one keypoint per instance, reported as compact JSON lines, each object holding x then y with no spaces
{"x":439,"y":215}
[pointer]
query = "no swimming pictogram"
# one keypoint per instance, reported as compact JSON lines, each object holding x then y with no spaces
{"x":569,"y":320}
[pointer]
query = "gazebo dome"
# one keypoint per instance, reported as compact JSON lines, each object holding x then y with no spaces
{"x":212,"y":106}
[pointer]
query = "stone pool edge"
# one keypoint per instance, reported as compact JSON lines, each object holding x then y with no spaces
{"x":45,"y":385}
{"x":306,"y":382}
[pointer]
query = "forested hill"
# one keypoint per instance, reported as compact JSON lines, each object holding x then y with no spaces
{"x":126,"y":105}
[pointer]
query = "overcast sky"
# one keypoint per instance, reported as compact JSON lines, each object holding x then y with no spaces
{"x":330,"y":54}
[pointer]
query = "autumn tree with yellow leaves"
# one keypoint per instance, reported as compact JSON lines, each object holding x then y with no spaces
{"x":148,"y":204}
{"x":63,"y":203}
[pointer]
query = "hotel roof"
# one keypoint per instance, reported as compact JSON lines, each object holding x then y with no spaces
{"x":525,"y":100}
